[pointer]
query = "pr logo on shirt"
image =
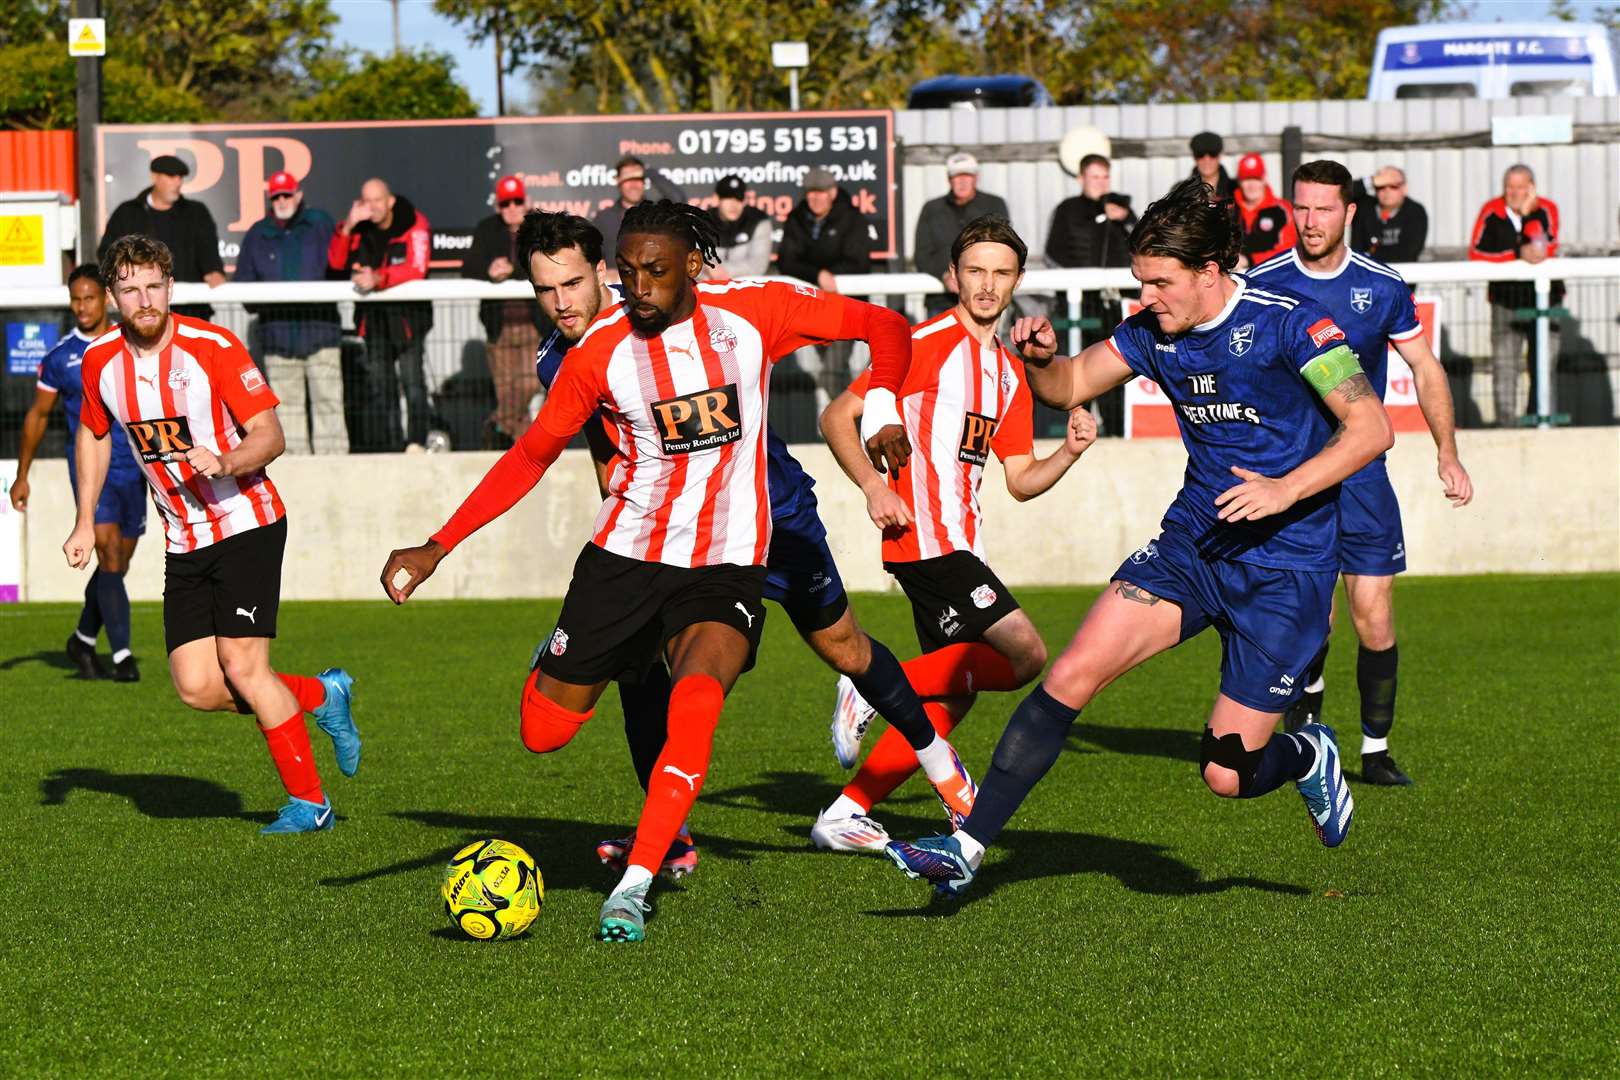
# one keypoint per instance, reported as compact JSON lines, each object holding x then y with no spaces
{"x":160,"y":441}
{"x":699,"y":421}
{"x":252,"y":381}
{"x":976,"y":432}
{"x":1325,"y":330}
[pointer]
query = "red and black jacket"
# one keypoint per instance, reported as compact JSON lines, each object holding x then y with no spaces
{"x":1268,"y":226}
{"x":1498,"y":235}
{"x":398,"y":253}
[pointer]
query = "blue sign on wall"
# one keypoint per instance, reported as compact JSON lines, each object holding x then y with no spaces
{"x":1485,"y":51}
{"x":26,"y":345}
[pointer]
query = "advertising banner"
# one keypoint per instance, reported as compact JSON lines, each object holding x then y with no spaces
{"x":448,"y":168}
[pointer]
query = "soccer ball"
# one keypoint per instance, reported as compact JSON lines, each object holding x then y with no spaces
{"x":492,"y":889}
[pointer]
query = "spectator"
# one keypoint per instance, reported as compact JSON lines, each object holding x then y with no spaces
{"x":299,"y":343}
{"x":184,"y":225}
{"x":824,"y":235}
{"x":1517,"y":225}
{"x":512,"y":327}
{"x":1388,"y":225}
{"x":1094,"y":228}
{"x":1268,"y":223}
{"x":745,"y":233}
{"x":631,"y":176}
{"x":386,"y":241}
{"x":1206,"y":149}
{"x":943,"y":219}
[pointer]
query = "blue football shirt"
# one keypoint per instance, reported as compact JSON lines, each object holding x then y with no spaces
{"x":1370,"y":302}
{"x":789,"y":485}
{"x":1241,"y":399}
{"x":62,"y":373}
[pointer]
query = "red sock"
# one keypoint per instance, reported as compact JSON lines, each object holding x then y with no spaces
{"x":892,"y":760}
{"x":694,"y":712}
{"x":308,"y":690}
{"x":959,"y":670}
{"x":289,"y":749}
{"x":544,"y":724}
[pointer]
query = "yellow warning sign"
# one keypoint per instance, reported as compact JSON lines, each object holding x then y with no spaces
{"x":87,"y":37}
{"x":22,"y":240}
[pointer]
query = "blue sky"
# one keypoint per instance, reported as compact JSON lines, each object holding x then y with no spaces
{"x":368,"y":24}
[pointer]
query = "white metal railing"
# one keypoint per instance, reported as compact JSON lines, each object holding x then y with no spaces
{"x":1072,"y":285}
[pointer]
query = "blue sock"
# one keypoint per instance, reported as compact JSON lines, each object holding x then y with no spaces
{"x":646,"y":719}
{"x":90,"y":614}
{"x":1028,"y":748}
{"x":886,"y":689}
{"x":113,"y":599}
{"x":1285,"y":758}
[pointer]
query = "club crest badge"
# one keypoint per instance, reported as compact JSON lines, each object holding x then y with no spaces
{"x":1242,"y":339}
{"x":1361,"y":300}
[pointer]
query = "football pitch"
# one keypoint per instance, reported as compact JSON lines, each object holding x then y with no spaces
{"x":1130,"y":923}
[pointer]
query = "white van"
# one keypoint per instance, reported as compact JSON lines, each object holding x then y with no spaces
{"x":1492,"y":60}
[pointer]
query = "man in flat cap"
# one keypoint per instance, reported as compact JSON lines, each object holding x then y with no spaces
{"x":944,"y":218}
{"x":184,"y":225}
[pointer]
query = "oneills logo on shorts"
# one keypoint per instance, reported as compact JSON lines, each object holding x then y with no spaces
{"x":161,"y":440}
{"x":699,"y":421}
{"x":976,"y":432}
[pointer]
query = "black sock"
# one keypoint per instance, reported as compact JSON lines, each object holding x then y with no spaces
{"x":1285,"y":758}
{"x":1375,"y":676}
{"x":1028,"y":748}
{"x":646,"y":719}
{"x":113,"y":600}
{"x":1318,"y":665}
{"x":90,"y":614}
{"x":885,"y":688}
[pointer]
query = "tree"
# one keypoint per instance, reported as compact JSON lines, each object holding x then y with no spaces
{"x":405,"y":86}
{"x":38,"y":85}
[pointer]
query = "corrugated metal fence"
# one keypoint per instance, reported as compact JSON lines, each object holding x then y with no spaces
{"x":1443,"y":145}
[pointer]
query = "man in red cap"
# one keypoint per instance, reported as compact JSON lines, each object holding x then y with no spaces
{"x":1268,"y":223}
{"x":298,"y":344}
{"x":512,"y":327}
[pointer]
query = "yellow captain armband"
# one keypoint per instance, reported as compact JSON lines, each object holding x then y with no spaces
{"x":1327,"y":371}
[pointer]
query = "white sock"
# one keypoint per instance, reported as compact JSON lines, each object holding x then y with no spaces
{"x":633,"y":876}
{"x":118,"y":657}
{"x":971,"y":848}
{"x":1316,"y":687}
{"x":844,"y":806}
{"x":1370,"y":745}
{"x":937,"y":760}
{"x":90,"y":641}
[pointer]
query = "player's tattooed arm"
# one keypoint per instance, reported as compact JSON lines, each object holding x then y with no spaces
{"x":1136,"y":594}
{"x":1355,"y":388}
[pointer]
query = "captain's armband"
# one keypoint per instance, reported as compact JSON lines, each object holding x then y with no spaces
{"x":1333,"y":367}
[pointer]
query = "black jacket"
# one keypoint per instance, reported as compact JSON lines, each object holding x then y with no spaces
{"x":941,"y":221}
{"x":1082,"y":234}
{"x":187,"y":228}
{"x":1225,"y":186}
{"x":1398,"y":240}
{"x":843,"y":243}
{"x":493,"y":240}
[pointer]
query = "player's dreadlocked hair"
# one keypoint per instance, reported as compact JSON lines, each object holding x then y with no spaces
{"x":681,"y":220}
{"x":1190,"y":226}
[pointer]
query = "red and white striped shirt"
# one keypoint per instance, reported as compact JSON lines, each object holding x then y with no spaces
{"x":960,"y":402}
{"x":687,"y":409}
{"x":197,"y":391}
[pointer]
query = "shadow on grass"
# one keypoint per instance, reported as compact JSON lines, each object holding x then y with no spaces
{"x":1140,"y":867}
{"x":51,"y":658}
{"x":1178,"y":744}
{"x":565,"y":850}
{"x":157,"y":795}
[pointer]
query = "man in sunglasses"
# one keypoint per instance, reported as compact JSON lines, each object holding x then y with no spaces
{"x":1388,"y":226}
{"x":512,"y":327}
{"x":1206,"y":147}
{"x":298,"y":344}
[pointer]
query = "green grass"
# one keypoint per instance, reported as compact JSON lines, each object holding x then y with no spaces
{"x":1129,"y":924}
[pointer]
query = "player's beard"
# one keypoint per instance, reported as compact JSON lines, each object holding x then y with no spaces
{"x":137,"y":334}
{"x":647,"y":325}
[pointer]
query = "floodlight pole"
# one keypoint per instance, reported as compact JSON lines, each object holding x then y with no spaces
{"x":793,"y":89}
{"x":88,"y":103}
{"x":792,"y":55}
